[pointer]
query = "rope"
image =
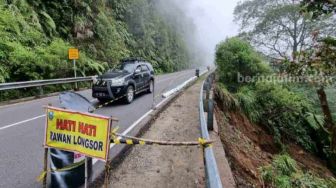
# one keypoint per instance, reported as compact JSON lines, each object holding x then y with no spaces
{"x":129,"y":140}
{"x":67,"y":168}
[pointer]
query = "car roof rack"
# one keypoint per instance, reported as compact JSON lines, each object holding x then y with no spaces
{"x":133,"y":59}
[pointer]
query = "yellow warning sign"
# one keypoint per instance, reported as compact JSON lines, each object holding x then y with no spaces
{"x":73,"y":131}
{"x":73,"y":53}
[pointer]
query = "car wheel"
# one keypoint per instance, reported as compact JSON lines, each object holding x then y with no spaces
{"x":151,"y":87}
{"x":130,"y":94}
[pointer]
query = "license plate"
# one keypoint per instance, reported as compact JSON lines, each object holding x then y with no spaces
{"x":100,"y":94}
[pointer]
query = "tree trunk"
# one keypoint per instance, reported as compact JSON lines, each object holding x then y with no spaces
{"x":295,"y":42}
{"x":295,"y":51}
{"x":325,"y":108}
{"x":329,"y":123}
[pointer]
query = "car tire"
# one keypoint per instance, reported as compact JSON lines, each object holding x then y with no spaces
{"x":130,"y":94}
{"x":151,"y":87}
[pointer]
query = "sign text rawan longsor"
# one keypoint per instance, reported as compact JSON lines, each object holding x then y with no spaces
{"x":74,"y":131}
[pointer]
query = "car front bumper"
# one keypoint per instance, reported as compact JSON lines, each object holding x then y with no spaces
{"x":108,"y":92}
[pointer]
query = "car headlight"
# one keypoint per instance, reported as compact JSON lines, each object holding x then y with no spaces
{"x":117,"y":82}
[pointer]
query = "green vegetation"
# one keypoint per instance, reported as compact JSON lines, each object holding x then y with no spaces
{"x":319,"y":7}
{"x":28,"y":53}
{"x":283,"y":112}
{"x":285,"y":173}
{"x":36,"y":34}
{"x":298,"y":37}
{"x":236,"y":57}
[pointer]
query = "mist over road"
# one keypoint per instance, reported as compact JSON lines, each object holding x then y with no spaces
{"x":212,"y":22}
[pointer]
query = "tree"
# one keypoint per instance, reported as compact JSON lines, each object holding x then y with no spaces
{"x":317,"y":66}
{"x":319,"y":7}
{"x":321,"y":59}
{"x":277,"y":27}
{"x":236,"y":57}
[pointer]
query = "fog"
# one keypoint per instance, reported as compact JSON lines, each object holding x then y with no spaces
{"x":212,"y":22}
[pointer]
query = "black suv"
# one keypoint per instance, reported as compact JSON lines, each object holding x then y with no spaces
{"x":129,"y":78}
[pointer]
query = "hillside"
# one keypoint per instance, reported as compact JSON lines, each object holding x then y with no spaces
{"x":273,"y":132}
{"x":36,"y":34}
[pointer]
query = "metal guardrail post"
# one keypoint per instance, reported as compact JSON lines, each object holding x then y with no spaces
{"x":209,"y":102}
{"x":210,"y":114}
{"x":212,"y":174}
{"x":40,"y":88}
{"x":197,"y":72}
{"x":207,"y":96}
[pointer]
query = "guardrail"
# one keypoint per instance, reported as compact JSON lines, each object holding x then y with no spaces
{"x":40,"y":83}
{"x":212,"y":173}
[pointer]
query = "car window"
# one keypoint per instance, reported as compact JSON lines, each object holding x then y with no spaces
{"x":150,"y":67}
{"x":138,"y":68}
{"x":128,"y":67}
{"x":144,"y":68}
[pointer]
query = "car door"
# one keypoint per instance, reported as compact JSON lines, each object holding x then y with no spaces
{"x":146,"y":75}
{"x":138,"y":78}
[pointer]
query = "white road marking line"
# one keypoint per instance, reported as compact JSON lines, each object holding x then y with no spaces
{"x":21,"y":122}
{"x":178,"y":88}
{"x":94,"y":161}
{"x":112,"y":145}
{"x":37,"y":117}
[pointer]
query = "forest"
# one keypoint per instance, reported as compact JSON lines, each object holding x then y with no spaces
{"x":277,"y":78}
{"x":36,"y":34}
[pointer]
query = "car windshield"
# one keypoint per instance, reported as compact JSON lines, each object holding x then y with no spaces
{"x":128,"y":67}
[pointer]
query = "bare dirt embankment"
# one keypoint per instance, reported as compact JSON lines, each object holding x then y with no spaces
{"x":250,"y":147}
{"x":167,"y":166}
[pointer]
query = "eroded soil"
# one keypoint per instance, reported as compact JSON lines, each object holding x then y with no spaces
{"x":249,"y":147}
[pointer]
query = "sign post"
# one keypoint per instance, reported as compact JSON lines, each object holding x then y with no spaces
{"x":84,"y":133}
{"x":74,"y":55}
{"x":86,"y":173}
{"x":153,"y":103}
{"x":73,"y":138}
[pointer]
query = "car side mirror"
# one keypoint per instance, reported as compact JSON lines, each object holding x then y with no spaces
{"x":137,"y":71}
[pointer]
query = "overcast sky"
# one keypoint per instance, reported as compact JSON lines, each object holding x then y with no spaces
{"x":213,"y":19}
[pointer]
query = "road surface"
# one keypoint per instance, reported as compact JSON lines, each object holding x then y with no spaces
{"x":22,"y":129}
{"x":167,"y":166}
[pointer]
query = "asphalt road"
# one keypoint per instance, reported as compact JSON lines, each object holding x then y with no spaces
{"x":22,"y":129}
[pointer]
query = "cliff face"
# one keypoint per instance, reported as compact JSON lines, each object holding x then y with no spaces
{"x":35,"y":36}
